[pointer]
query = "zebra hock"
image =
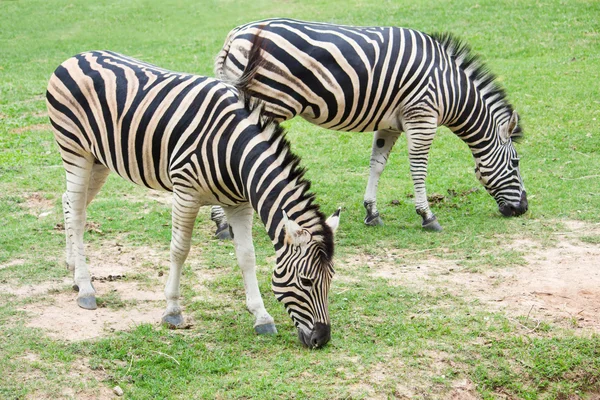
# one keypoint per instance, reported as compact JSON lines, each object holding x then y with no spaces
{"x":388,"y":80}
{"x":192,"y":136}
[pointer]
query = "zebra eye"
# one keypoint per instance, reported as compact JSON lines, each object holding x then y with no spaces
{"x":515,"y":162}
{"x":306,"y":282}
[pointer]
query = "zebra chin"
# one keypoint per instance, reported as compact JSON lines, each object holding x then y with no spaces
{"x":316,"y":338}
{"x":515,"y":209}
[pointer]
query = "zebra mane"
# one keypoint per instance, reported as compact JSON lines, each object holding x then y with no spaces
{"x":477,"y":71}
{"x":277,"y":135}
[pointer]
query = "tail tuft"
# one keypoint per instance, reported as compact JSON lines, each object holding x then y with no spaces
{"x":255,"y":62}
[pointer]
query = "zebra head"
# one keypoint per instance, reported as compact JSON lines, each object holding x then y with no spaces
{"x":302,"y":277}
{"x":498,"y":168}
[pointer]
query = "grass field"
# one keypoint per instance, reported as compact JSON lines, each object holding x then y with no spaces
{"x":407,"y":320}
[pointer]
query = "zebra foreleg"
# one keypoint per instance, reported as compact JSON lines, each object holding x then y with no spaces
{"x":383,"y":141}
{"x":217,"y":215}
{"x":184,"y":212}
{"x":420,"y":137}
{"x":74,"y":208}
{"x":240,"y":220}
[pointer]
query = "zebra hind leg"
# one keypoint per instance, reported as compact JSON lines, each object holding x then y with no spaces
{"x":184,"y":212}
{"x":217,"y":215}
{"x":98,"y":177}
{"x":240,"y":219}
{"x":74,"y":208}
{"x":383,"y":141}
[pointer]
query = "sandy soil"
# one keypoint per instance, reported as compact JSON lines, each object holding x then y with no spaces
{"x":115,"y":276}
{"x":559,"y":284}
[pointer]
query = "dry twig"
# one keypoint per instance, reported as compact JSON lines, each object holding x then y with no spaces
{"x":166,"y":355}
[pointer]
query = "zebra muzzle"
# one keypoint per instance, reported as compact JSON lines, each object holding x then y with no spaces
{"x":316,"y":338}
{"x":512,"y":210}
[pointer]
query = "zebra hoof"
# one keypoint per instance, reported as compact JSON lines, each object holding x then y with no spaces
{"x":373,"y":220}
{"x":266,"y":329}
{"x":222,"y":232}
{"x":432,"y":225}
{"x":88,"y":303}
{"x":173,"y":321}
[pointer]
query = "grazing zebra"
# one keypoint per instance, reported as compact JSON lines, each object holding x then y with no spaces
{"x":388,"y":80}
{"x":192,"y":136}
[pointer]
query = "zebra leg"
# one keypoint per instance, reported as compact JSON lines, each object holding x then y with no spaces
{"x":97,"y":180}
{"x":70,"y":259}
{"x":217,"y":215}
{"x":184,"y":212}
{"x":74,"y":208}
{"x":419,"y":137}
{"x":98,"y":177}
{"x":240,"y":220}
{"x":383,"y":141}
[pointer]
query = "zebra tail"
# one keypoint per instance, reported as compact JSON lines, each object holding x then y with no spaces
{"x":222,"y":56}
{"x":255,"y":62}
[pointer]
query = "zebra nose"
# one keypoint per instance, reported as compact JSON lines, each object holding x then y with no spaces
{"x":523,"y":204}
{"x":510,"y":210}
{"x":320,"y":335}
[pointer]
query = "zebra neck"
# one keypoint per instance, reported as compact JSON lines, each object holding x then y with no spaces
{"x":275,"y":192}
{"x":273,"y":181}
{"x":473,"y":116}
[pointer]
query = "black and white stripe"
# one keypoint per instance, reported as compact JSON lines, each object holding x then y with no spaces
{"x":193,"y":136}
{"x":384,"y":79}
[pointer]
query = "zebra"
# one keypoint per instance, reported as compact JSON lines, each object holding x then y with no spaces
{"x":388,"y":80}
{"x":195,"y":137}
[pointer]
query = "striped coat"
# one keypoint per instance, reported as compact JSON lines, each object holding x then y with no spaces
{"x":384,"y":79}
{"x":191,"y":135}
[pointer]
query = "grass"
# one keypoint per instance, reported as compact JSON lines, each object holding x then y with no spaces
{"x":388,"y":340}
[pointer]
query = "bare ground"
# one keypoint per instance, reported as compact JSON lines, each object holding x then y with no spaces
{"x":559,"y":284}
{"x":129,"y":283}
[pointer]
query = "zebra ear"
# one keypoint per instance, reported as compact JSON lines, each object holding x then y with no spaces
{"x":294,"y":234}
{"x":512,"y":124}
{"x":334,"y":220}
{"x":506,"y":131}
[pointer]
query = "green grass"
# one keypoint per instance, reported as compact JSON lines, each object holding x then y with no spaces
{"x":388,"y":340}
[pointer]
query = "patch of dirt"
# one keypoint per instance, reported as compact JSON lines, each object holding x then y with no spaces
{"x":463,"y":389}
{"x":13,"y":263}
{"x":129,"y":280}
{"x":110,"y":264}
{"x":33,"y":290}
{"x":559,"y":284}
{"x":38,"y":205}
{"x":64,"y":319}
{"x":31,"y":128}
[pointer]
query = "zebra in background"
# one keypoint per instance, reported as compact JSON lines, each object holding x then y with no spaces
{"x":192,"y":136}
{"x":388,"y":80}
